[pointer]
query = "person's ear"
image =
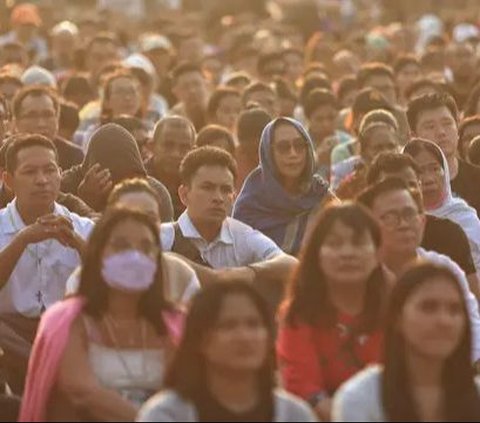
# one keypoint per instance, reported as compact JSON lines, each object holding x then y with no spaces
{"x":183,"y":191}
{"x":8,"y":179}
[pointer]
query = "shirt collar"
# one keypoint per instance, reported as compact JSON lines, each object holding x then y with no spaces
{"x":190,"y":231}
{"x":14,"y":222}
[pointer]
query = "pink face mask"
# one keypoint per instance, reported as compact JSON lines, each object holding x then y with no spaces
{"x":130,"y":271}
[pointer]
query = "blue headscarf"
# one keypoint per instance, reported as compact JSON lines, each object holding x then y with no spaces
{"x":264,"y":204}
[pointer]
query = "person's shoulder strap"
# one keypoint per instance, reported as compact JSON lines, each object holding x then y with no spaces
{"x":186,"y":247}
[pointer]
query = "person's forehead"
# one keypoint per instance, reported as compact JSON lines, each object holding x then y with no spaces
{"x":35,"y":153}
{"x":215,"y":174}
{"x":35,"y":102}
{"x":286,"y":131}
{"x":189,"y":76}
{"x":435,"y":113}
{"x":177,"y":130}
{"x":393,"y":200}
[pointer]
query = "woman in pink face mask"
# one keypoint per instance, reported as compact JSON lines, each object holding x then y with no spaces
{"x":437,"y":192}
{"x":101,"y":354}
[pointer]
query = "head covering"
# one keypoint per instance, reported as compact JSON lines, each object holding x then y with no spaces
{"x":428,"y":26}
{"x":114,"y":148}
{"x":455,"y":209}
{"x":26,"y":14}
{"x":149,"y":42}
{"x":264,"y":204}
{"x":139,"y":61}
{"x":65,"y":27}
{"x":36,"y":75}
{"x":464,"y":31}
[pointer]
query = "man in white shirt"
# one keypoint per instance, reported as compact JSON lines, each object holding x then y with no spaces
{"x":399,"y":212}
{"x":207,"y":237}
{"x":40,"y":241}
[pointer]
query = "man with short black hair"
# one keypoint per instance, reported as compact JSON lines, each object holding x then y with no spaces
{"x":36,"y":110}
{"x":40,"y":242}
{"x":190,"y":89}
{"x":173,"y":138}
{"x":261,"y":95}
{"x":441,"y":235}
{"x":400,"y":214}
{"x":434,"y":117}
{"x":205,"y":234}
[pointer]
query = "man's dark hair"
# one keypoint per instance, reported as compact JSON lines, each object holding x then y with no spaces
{"x":34,"y":91}
{"x":370,"y":195}
{"x":211,"y":133}
{"x":172,"y":120}
{"x":216,"y":98}
{"x":69,"y":116}
{"x":265,"y":59}
{"x":319,"y":98}
{"x":420,"y":84}
{"x":312,"y":83}
{"x":465,"y":123}
{"x":76,"y":84}
{"x":102,"y":38}
{"x":130,"y":123}
{"x":251,"y":124}
{"x":205,"y":156}
{"x":184,"y":68}
{"x":430,"y":102}
{"x":403,"y":61}
{"x":373,"y":69}
{"x":433,"y":59}
{"x":345,"y":85}
{"x":390,"y":163}
{"x":22,"y":142}
{"x":474,"y":151}
{"x":9,"y":77}
{"x":132,"y":186}
{"x":255,"y":87}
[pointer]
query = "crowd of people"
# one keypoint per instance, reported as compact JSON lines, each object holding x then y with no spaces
{"x":239,"y":211}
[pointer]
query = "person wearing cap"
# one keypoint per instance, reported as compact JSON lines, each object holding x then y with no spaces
{"x":25,"y":21}
{"x":64,"y":41}
{"x":36,"y":75}
{"x":159,"y":50}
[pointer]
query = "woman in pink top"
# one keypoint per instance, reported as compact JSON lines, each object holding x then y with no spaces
{"x":100,"y":355}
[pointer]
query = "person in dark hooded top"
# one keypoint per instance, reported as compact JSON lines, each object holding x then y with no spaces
{"x":111,"y":158}
{"x":280,"y":196}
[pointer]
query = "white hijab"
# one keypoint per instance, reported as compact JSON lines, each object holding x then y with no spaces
{"x":457,"y":210}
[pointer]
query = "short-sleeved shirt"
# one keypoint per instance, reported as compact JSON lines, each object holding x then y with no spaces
{"x":40,"y":275}
{"x":237,"y":244}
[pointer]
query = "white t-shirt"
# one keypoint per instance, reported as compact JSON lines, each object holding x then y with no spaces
{"x":237,"y":245}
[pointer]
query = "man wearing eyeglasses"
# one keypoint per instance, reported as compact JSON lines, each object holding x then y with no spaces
{"x":36,"y":111}
{"x":399,"y":212}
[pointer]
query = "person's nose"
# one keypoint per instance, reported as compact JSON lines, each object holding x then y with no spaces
{"x":41,"y":178}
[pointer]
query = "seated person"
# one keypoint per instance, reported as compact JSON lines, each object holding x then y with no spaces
{"x":40,"y":243}
{"x":219,"y":247}
{"x":180,"y":280}
{"x":102,"y":353}
{"x":284,"y":192}
{"x":101,"y":170}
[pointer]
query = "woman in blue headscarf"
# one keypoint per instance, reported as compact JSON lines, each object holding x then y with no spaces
{"x":279,"y":196}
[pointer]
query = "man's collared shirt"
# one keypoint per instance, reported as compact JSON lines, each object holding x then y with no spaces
{"x":237,"y":244}
{"x":41,"y":273}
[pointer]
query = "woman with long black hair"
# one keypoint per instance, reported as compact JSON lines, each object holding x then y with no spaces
{"x":427,"y":373}
{"x":224,"y":367}
{"x":330,"y":324}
